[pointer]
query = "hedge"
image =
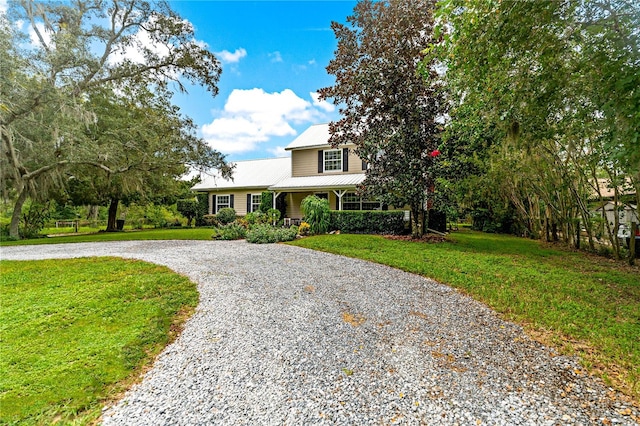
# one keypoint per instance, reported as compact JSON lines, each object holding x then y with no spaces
{"x":367,"y":221}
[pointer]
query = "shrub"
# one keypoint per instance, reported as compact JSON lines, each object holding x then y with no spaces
{"x":264,"y":234}
{"x":316,"y":213}
{"x":368,"y":221}
{"x":230,"y":231}
{"x":274,"y":216}
{"x":254,"y":218}
{"x":266,"y":201}
{"x":188,"y":209}
{"x":159,"y":216}
{"x":33,"y":220}
{"x":209,"y":220}
{"x":303,"y":229}
{"x":226,"y":215}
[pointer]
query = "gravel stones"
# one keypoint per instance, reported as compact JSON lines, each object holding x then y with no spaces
{"x":285,"y":335}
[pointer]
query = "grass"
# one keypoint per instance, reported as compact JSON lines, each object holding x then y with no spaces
{"x":582,"y":304}
{"x":76,"y":333}
{"x":151,"y":234}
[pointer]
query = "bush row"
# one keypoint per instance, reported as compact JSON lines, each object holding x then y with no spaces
{"x":367,"y":221}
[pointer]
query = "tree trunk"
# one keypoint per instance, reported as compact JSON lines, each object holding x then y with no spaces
{"x":113,"y":210}
{"x":417,"y":222}
{"x":17,"y":213}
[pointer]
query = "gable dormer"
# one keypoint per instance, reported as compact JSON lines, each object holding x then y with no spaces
{"x":311,"y":154}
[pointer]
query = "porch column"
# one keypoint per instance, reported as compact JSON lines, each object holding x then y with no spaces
{"x":275,"y":195}
{"x":339,"y":194}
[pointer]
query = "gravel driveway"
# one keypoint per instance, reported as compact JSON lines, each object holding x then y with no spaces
{"x":285,"y":335}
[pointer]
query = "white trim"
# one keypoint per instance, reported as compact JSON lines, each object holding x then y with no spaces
{"x":324,"y":160}
{"x":252,"y":203}
{"x":227,"y":204}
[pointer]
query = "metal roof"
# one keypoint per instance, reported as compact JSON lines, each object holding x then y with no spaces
{"x":316,"y":135}
{"x":326,"y":181}
{"x":250,"y":174}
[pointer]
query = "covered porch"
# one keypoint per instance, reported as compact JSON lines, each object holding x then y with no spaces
{"x":339,"y":190}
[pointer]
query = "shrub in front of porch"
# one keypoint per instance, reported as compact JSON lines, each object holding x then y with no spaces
{"x":265,"y":233}
{"x":316,"y":213}
{"x":367,"y":222}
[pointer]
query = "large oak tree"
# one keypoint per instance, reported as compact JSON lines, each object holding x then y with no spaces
{"x":77,"y":48}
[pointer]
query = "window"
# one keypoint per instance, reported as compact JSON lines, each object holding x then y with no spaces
{"x":256,"y":199}
{"x":333,"y":160}
{"x":222,"y":201}
{"x":351,"y":201}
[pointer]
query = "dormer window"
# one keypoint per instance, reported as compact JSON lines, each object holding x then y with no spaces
{"x":333,"y":160}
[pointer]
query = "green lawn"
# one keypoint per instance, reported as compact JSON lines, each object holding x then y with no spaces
{"x":580,"y":303}
{"x":151,"y":234}
{"x":75,"y":333}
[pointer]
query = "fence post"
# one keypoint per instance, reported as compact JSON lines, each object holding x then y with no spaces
{"x":632,"y":243}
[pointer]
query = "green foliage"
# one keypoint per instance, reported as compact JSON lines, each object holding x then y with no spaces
{"x":160,"y":216}
{"x":546,"y":102}
{"x":367,"y":222}
{"x":274,"y":216}
{"x":265,"y":234}
{"x":230,"y":231}
{"x":209,"y":220}
{"x":316,"y":213}
{"x":389,"y":111}
{"x":254,"y":218}
{"x":133,"y":143}
{"x":62,"y":355}
{"x":226,"y":215}
{"x":595,"y":302}
{"x":34,"y":219}
{"x":266,"y":202}
{"x":189,"y":209}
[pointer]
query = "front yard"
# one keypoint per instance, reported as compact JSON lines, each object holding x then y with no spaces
{"x":582,"y":304}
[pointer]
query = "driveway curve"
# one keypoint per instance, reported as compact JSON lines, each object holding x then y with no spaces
{"x":285,"y":335}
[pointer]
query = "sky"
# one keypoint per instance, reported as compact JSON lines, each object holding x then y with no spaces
{"x":273,"y":56}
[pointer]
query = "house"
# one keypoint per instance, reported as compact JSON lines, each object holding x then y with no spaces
{"x":607,"y":208}
{"x":314,"y":168}
{"x":627,"y":213}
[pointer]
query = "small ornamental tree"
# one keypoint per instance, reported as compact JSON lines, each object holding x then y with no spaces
{"x":188,"y":209}
{"x":316,"y":213}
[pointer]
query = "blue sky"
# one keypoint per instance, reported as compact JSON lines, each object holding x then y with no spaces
{"x":273,"y":58}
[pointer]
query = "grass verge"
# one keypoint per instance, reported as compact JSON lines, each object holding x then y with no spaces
{"x":76,"y":333}
{"x":151,"y":234}
{"x":582,"y":304}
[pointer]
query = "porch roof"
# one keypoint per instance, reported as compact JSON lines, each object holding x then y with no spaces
{"x":249,"y":174}
{"x":325,"y":181}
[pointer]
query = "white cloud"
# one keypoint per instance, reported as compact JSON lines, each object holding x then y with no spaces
{"x":232,"y":58}
{"x":251,"y":117}
{"x":279,"y":151}
{"x":135,"y":51}
{"x":3,"y":6}
{"x":312,"y":62}
{"x":275,"y":56}
{"x":324,"y":105}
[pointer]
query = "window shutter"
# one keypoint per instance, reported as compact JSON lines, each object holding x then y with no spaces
{"x":337,"y":203}
{"x":345,"y":159}
{"x":214,"y":198}
{"x":231,"y":201}
{"x":248,"y":203}
{"x":364,"y":165}
{"x":320,"y":161}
